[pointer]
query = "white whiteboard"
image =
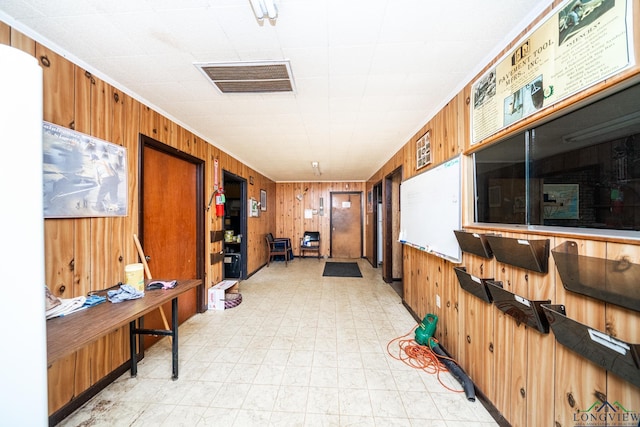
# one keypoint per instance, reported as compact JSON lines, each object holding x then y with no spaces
{"x":430,"y":210}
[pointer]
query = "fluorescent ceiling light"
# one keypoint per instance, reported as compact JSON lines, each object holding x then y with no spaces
{"x":616,"y":128}
{"x":264,"y":9}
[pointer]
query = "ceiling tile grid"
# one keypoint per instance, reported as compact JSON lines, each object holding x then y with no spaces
{"x":368,"y":74}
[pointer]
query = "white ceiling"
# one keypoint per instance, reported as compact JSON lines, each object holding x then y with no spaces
{"x":368,"y":73}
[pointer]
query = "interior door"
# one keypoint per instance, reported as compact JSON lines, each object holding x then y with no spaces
{"x":346,"y":225}
{"x":170,"y":209}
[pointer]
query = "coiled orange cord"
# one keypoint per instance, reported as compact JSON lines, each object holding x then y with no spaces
{"x":418,"y":356}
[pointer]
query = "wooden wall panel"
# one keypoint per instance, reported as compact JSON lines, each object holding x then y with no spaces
{"x":540,"y":369}
{"x":578,"y":379}
{"x":448,"y":311}
{"x":22,"y":42}
{"x":477,"y":332}
{"x":623,"y":324}
{"x":289,"y":215}
{"x":5,"y":34}
{"x":60,"y":390}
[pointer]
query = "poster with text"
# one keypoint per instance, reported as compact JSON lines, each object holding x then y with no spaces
{"x":581,"y":43}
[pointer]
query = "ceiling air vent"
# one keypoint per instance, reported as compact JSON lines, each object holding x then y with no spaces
{"x":249,"y":77}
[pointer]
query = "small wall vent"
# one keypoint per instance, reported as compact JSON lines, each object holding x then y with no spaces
{"x":249,"y":77}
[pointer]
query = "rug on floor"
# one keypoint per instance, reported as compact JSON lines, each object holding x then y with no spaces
{"x":341,"y":269}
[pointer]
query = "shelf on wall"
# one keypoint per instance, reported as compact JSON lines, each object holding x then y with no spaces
{"x":528,"y":254}
{"x":523,"y":310}
{"x":616,"y":356}
{"x":473,"y":284}
{"x":217,"y":235}
{"x":473,"y":243}
{"x":613,"y":281}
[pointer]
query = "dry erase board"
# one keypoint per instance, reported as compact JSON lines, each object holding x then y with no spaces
{"x":430,"y":210}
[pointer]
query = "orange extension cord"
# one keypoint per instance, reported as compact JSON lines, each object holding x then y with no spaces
{"x":419,"y":356}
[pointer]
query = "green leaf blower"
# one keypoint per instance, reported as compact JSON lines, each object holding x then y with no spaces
{"x":426,"y":329}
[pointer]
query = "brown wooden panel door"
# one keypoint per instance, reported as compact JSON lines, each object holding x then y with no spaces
{"x":169,"y":231}
{"x":346,"y":225}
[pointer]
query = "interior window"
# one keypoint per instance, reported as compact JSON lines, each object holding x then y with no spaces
{"x":580,"y":170}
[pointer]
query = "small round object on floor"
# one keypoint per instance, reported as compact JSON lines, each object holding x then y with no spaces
{"x":232,"y":300}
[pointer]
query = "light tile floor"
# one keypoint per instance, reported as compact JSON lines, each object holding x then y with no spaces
{"x":300,"y":350}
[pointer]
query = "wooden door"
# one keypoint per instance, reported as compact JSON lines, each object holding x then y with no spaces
{"x":346,"y":225}
{"x":170,"y":226}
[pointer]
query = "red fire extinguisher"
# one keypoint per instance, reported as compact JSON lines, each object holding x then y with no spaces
{"x":220,"y":199}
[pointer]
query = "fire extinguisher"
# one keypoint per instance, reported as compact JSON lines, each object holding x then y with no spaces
{"x":220,"y":199}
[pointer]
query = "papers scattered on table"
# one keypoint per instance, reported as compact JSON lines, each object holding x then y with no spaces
{"x":57,"y":307}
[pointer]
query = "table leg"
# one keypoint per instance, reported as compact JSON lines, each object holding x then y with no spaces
{"x":132,"y":347}
{"x":174,"y":344}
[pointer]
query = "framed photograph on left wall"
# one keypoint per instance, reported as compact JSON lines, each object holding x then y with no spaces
{"x":83,"y":176}
{"x":263,"y":200}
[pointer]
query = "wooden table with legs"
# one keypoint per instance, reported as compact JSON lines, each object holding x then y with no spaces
{"x":74,"y":331}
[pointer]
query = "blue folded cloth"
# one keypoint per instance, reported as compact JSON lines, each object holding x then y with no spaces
{"x":126,"y":292}
{"x":94,"y":300}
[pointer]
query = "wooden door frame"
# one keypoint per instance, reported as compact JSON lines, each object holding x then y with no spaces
{"x":387,"y":226}
{"x":331,"y":193}
{"x":147,"y":141}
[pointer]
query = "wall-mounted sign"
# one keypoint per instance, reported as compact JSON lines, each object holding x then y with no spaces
{"x":579,"y":44}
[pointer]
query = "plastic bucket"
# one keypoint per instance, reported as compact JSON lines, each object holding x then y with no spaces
{"x":134,"y":276}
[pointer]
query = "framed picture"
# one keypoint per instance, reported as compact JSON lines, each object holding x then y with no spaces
{"x":423,"y":150}
{"x":254,"y":210}
{"x":251,"y":179}
{"x":83,"y":176}
{"x":561,"y":201}
{"x":263,"y":200}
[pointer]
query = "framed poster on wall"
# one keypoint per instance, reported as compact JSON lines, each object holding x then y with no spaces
{"x":577,"y":45}
{"x":83,"y":176}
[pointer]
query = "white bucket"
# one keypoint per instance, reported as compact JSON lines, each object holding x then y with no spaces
{"x":134,"y":276}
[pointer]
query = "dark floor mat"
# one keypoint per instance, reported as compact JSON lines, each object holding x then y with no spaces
{"x":341,"y":269}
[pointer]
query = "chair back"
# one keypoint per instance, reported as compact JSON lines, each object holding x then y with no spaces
{"x":311,"y":236}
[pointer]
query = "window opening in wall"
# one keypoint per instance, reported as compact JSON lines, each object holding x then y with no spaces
{"x":579,"y":170}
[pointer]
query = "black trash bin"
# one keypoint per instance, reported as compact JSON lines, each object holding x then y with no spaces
{"x":232,"y":266}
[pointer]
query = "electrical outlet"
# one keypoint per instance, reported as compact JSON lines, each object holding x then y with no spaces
{"x":437,"y":300}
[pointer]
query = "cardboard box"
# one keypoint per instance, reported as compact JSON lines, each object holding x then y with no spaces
{"x":217,"y":293}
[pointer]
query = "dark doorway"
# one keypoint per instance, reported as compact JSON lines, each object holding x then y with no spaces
{"x":235,"y":226}
{"x":171,"y":223}
{"x":377,"y":226}
{"x":346,"y":225}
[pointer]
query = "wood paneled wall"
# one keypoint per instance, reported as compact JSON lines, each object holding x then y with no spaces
{"x":530,"y":379}
{"x":290,"y":220}
{"x":87,"y":254}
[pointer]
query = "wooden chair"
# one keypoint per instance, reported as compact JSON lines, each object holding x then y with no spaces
{"x":277,"y":247}
{"x":310,"y":242}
